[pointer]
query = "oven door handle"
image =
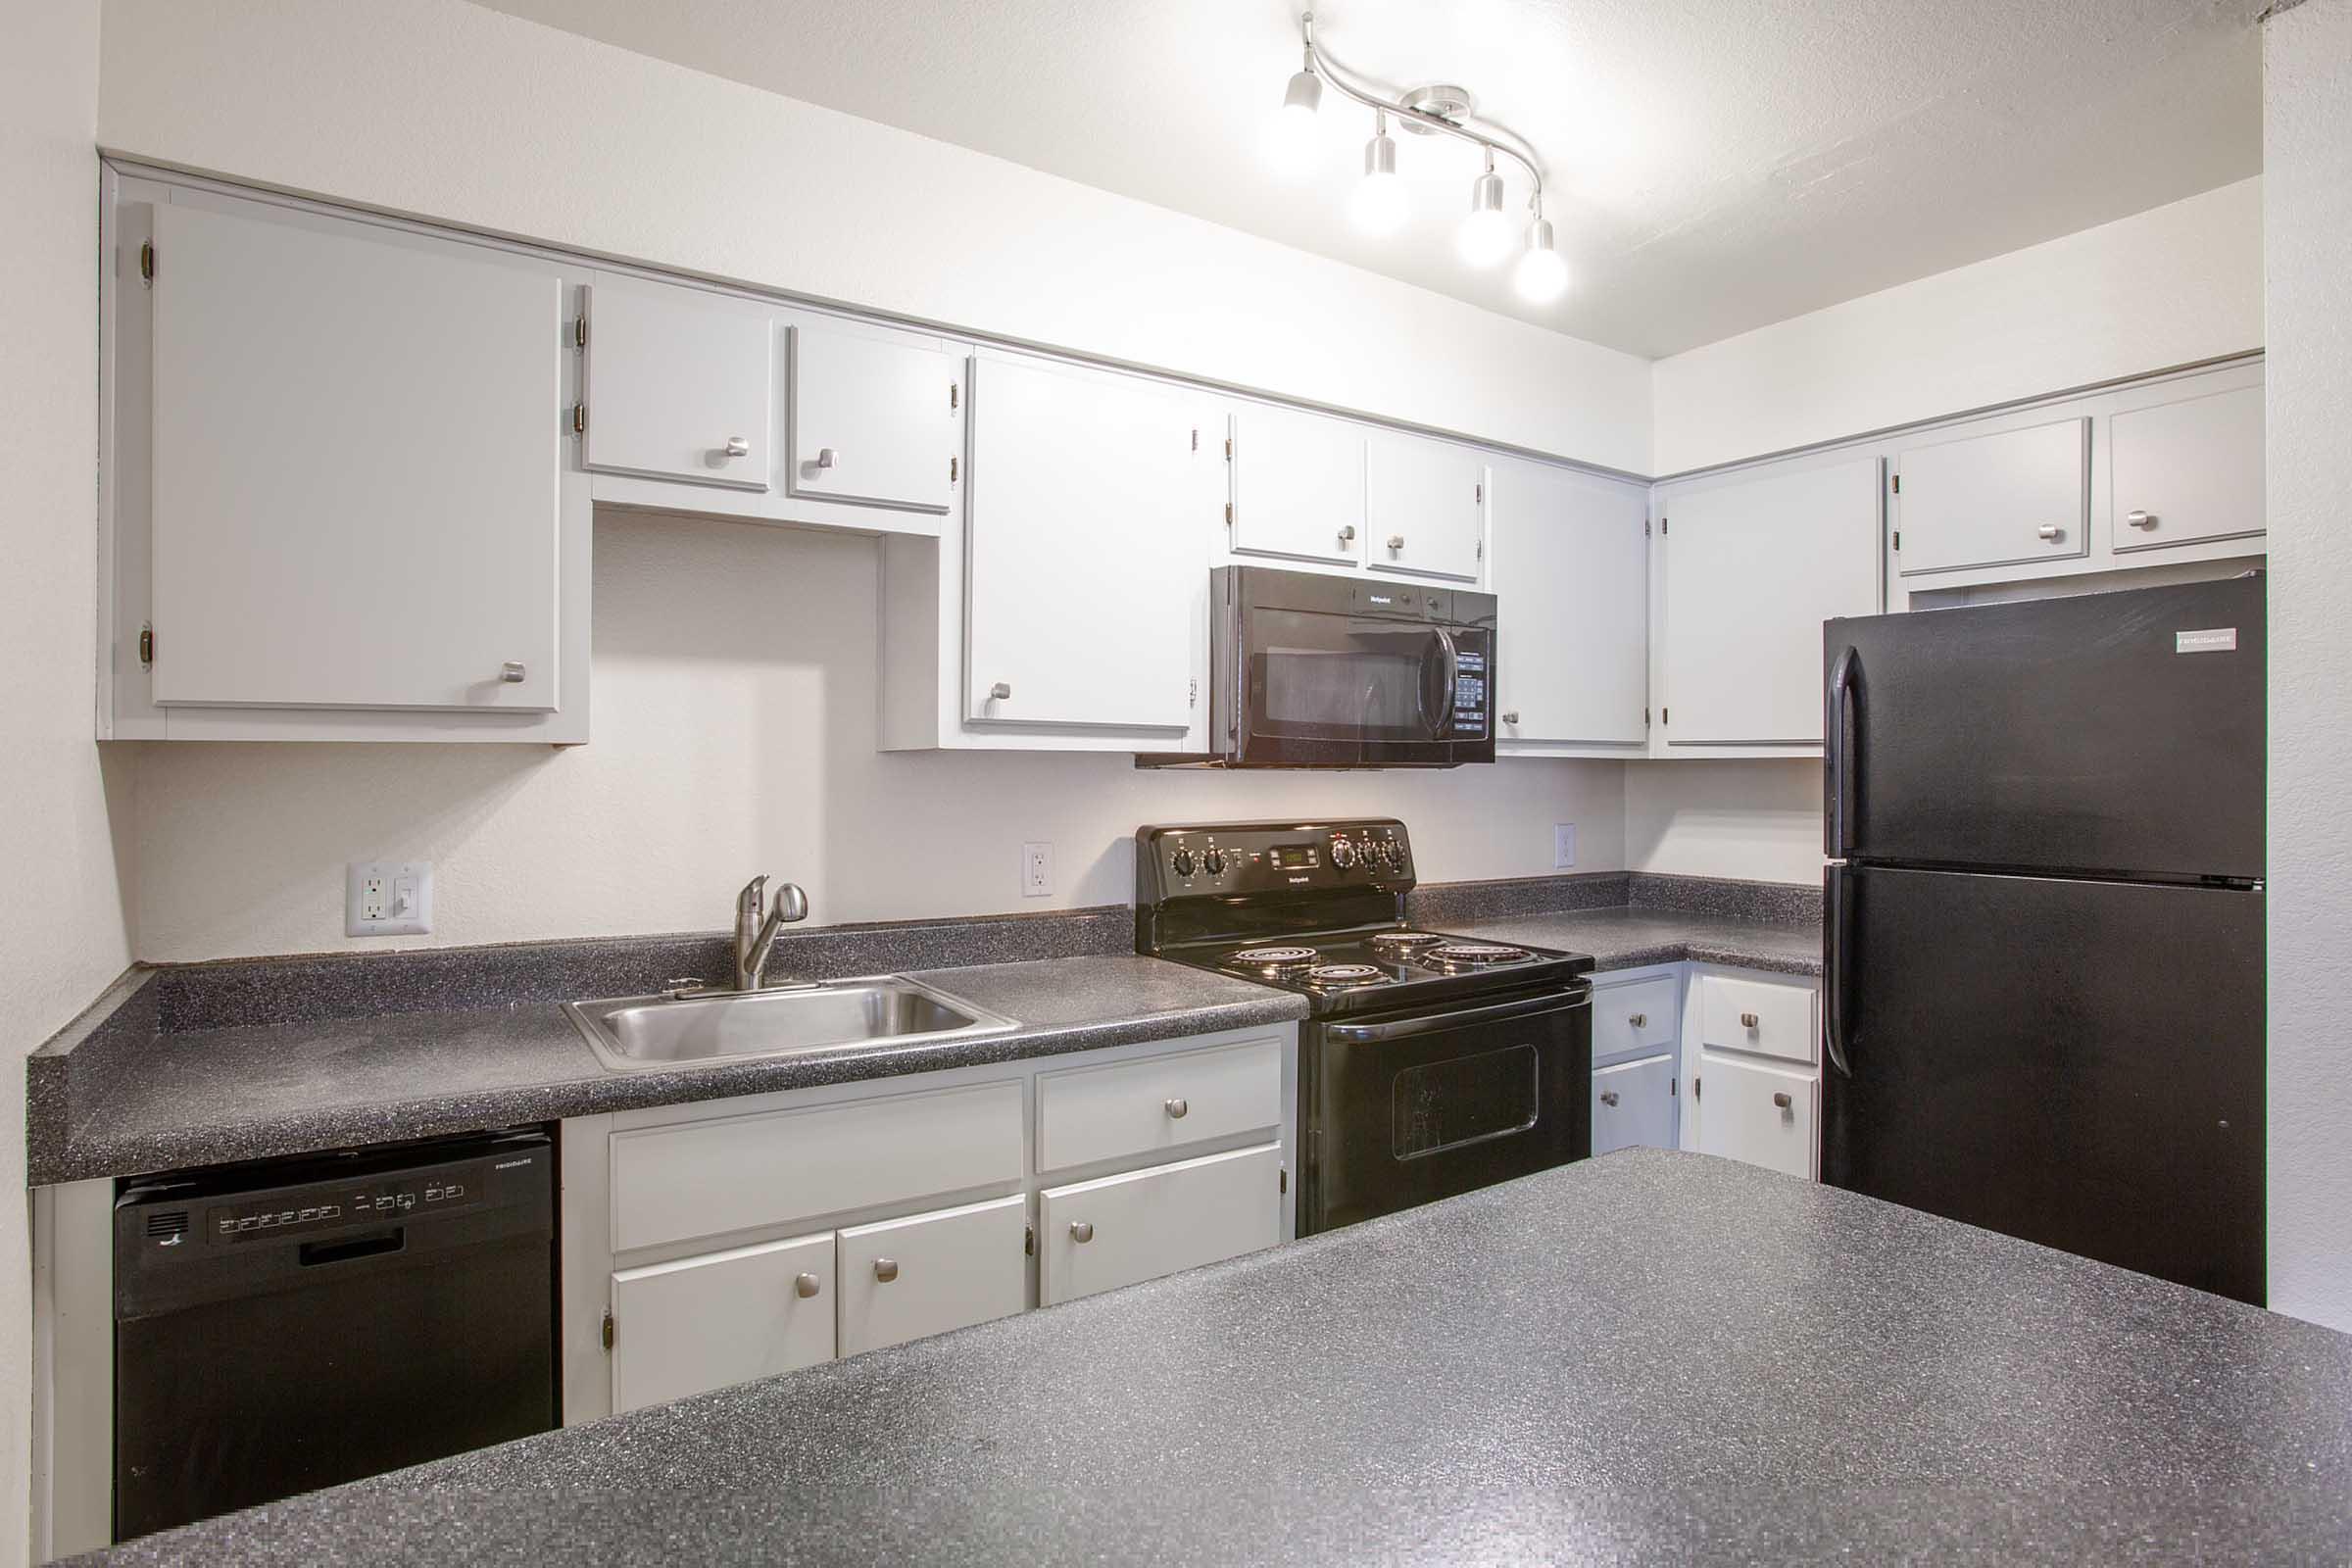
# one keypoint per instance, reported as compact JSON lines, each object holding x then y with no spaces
{"x":1467,"y":1017}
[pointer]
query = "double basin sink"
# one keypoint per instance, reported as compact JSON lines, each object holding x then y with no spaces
{"x":637,"y":1034}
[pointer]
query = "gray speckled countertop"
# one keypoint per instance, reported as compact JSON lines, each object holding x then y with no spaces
{"x":212,"y":1095}
{"x":1628,"y":938}
{"x":1647,"y":1357}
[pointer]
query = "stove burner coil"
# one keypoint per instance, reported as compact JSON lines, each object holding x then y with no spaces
{"x":1474,"y":952}
{"x":1344,"y":974}
{"x":1401,"y":940}
{"x":1290,"y":958}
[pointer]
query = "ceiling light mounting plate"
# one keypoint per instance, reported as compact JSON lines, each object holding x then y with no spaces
{"x":1442,"y":99}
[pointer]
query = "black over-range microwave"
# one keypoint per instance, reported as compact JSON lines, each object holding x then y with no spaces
{"x":1314,"y":670}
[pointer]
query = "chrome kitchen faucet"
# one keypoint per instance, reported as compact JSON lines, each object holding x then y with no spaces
{"x":755,"y":939}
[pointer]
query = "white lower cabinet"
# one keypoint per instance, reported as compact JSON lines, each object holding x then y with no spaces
{"x":1103,"y":1234}
{"x":1763,"y":1115}
{"x":699,"y":1323}
{"x":1632,"y":1103}
{"x":928,"y":1273}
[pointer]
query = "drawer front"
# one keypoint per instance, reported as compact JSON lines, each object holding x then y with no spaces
{"x":1639,"y":1016}
{"x":1099,"y":1234}
{"x":1632,"y":1103}
{"x":1763,"y":1115}
{"x":701,"y":1323}
{"x":1757,"y":1015}
{"x":1144,"y":1108}
{"x":928,"y":1273}
{"x":712,"y":1178}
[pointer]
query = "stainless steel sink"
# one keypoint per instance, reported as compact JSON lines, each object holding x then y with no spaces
{"x":635,"y":1034}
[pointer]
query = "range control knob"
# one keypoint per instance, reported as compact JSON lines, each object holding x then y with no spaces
{"x":1343,"y":852}
{"x":1389,"y":852}
{"x":1183,"y":862}
{"x":1213,"y":863}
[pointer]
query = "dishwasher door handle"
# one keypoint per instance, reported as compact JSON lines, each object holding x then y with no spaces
{"x":314,"y":1254}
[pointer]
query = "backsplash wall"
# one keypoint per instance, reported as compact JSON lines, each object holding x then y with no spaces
{"x":733,"y":734}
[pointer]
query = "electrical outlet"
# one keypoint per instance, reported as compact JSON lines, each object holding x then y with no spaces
{"x":1037,"y":871}
{"x":1563,"y":846}
{"x":387,"y":898}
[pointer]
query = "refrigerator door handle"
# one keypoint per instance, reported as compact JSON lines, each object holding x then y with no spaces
{"x":1833,"y":956}
{"x":1837,"y":755}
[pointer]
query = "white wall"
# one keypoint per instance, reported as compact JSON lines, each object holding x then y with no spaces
{"x":1758,"y":821}
{"x":735,"y":720}
{"x":2307,"y":230}
{"x":444,"y":109}
{"x":62,"y":933}
{"x":2165,"y":287}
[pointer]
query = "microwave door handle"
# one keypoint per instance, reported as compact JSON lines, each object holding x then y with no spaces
{"x":1454,"y":678}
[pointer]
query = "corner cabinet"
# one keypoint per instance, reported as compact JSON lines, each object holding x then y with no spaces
{"x":339,"y":500}
{"x":1747,"y":567}
{"x":710,"y":1243}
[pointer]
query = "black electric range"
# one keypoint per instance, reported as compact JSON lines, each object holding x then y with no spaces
{"x":1430,"y":1065}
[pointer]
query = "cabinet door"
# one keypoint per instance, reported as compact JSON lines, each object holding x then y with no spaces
{"x":680,"y":384}
{"x":1297,"y":485}
{"x":1089,"y":535}
{"x":355,"y":472}
{"x":1099,"y":1234}
{"x":1424,"y":507}
{"x":1751,"y":570}
{"x":699,"y":1323}
{"x":1571,"y":575}
{"x":1996,"y":500}
{"x":2188,"y":470}
{"x":1633,"y":1102}
{"x":873,"y":420}
{"x":929,"y":1273}
{"x":1760,"y":1114}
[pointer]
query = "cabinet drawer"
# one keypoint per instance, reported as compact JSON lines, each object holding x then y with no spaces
{"x":1640,"y":1016}
{"x":1152,"y":1222}
{"x":701,"y":1323}
{"x":1142,"y":1107}
{"x":710,"y":1178}
{"x":1763,"y":1115}
{"x":1755,"y":1015}
{"x":928,"y":1273}
{"x":1633,"y":1102}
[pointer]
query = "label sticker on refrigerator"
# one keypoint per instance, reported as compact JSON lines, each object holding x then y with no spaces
{"x":2218,"y":640}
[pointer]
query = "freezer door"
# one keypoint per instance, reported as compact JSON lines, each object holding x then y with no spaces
{"x":2116,"y":733}
{"x":2078,"y":1063}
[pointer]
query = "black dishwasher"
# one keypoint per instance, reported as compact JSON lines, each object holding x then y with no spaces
{"x":287,"y":1325}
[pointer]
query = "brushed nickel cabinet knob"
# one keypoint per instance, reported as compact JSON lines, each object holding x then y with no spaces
{"x":1747,"y":1020}
{"x":885,"y":1269}
{"x":1608,"y":1097}
{"x":807,"y":1285}
{"x":1082,"y":1231}
{"x":737,"y":447}
{"x":1177,"y":1109}
{"x":511,"y":672}
{"x":1512,"y":718}
{"x":1639,"y":1021}
{"x":1782,"y":1102}
{"x":999,"y":691}
{"x":2049,"y":532}
{"x":2140,"y":519}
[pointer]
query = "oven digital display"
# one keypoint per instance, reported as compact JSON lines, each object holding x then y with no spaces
{"x":1291,"y":856}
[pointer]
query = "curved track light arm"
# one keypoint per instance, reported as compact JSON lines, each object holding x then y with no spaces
{"x":1346,"y":81}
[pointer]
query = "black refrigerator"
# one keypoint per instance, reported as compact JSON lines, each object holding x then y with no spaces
{"x":2042,"y":986}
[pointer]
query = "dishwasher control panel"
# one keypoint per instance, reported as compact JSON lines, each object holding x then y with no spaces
{"x":313,"y":1207}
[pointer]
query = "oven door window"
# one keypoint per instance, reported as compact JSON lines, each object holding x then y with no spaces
{"x":1334,"y":677}
{"x":1451,"y":1103}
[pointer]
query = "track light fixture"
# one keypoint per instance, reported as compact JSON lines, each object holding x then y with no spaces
{"x":1379,"y":204}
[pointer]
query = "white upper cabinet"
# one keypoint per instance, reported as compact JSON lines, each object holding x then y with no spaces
{"x":1087,"y":528}
{"x":1424,"y":505}
{"x":1571,"y":569}
{"x":2185,"y":465}
{"x":1297,"y":485}
{"x":353,"y":467}
{"x":1751,"y":568}
{"x":680,"y":384}
{"x":873,"y":420}
{"x":1995,"y":498}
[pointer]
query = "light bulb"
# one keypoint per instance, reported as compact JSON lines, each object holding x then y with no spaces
{"x":1379,"y":204}
{"x":1485,"y":236}
{"x":1541,"y":275}
{"x":1291,"y":140}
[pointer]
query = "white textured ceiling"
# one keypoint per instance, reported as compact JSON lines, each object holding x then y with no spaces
{"x":1715,"y":164}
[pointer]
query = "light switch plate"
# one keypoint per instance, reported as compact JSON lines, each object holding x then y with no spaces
{"x":388,"y":898}
{"x":1563,"y":846}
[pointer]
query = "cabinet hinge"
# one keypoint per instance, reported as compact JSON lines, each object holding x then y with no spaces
{"x":1482,"y":551}
{"x":1228,"y":449}
{"x":1898,"y":538}
{"x":146,"y":645}
{"x":1694,"y":1087}
{"x":1662,"y":522}
{"x":1028,"y":1240}
{"x":1646,"y":718}
{"x":1479,"y":493}
{"x":1228,"y":513}
{"x":1282,"y":1178}
{"x":952,"y":470}
{"x":147,"y":263}
{"x":580,"y":418}
{"x":1671,"y":1089}
{"x":1898,"y":484}
{"x":608,"y":1331}
{"x":579,"y":331}
{"x":1195,"y":438}
{"x":1665,"y":717}
{"x":1644,"y":527}
{"x":955,"y":392}
{"x":1193,"y":700}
